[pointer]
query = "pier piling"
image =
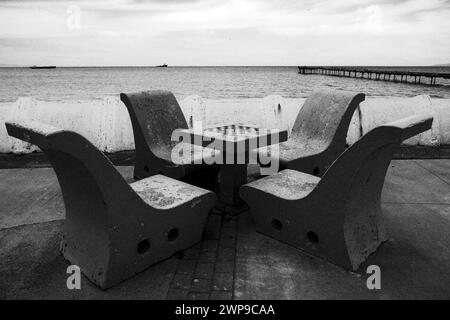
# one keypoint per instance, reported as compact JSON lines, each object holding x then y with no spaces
{"x":375,"y":74}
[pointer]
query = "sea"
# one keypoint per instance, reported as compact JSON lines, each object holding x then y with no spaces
{"x":86,"y":83}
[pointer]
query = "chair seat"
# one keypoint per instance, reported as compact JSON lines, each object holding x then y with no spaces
{"x":287,"y":184}
{"x":162,"y":192}
{"x":290,"y":150}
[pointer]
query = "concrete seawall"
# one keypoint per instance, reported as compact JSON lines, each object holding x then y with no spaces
{"x":106,"y":122}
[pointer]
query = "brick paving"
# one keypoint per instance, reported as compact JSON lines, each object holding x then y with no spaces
{"x":206,"y":270}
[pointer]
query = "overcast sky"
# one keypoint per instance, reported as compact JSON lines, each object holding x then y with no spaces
{"x":225,"y":32}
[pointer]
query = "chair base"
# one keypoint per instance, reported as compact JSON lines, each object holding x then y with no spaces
{"x":317,"y":240}
{"x":283,"y":208}
{"x":136,"y":243}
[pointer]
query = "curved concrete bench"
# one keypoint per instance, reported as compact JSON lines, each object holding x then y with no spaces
{"x":336,"y":217}
{"x":155,"y":115}
{"x":319,"y":133}
{"x":114,"y":230}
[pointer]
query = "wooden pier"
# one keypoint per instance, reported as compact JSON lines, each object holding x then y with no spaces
{"x":379,"y":74}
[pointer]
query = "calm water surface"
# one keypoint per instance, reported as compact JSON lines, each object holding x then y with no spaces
{"x":208,"y":82}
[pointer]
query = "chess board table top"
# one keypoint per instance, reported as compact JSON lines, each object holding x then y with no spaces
{"x":228,"y":137}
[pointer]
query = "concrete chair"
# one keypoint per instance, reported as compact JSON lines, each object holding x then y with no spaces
{"x":319,"y":133}
{"x":338,"y":216}
{"x":155,"y":115}
{"x":114,"y":230}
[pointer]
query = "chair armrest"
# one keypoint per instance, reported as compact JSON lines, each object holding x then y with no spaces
{"x":413,"y":125}
{"x":32,"y":131}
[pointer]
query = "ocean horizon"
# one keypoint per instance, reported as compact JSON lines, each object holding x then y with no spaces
{"x":210,"y":82}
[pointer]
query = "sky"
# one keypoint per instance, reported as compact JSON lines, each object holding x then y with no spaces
{"x":224,"y":32}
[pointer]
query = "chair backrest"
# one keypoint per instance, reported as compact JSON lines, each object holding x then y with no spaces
{"x":353,"y":184}
{"x":154,"y":116}
{"x":325,"y":116}
{"x":85,"y":174}
{"x":362,"y":167}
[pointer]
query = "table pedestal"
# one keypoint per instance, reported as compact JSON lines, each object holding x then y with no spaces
{"x":234,"y":141}
{"x":231,"y":178}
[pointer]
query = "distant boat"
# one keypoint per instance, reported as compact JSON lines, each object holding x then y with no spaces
{"x":42,"y":67}
{"x":162,"y":66}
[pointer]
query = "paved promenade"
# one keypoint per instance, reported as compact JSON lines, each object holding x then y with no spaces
{"x":233,"y":261}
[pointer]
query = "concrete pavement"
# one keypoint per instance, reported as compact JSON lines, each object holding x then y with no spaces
{"x":234,"y":261}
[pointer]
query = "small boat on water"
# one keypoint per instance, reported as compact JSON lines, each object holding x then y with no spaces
{"x":162,"y":66}
{"x":42,"y":67}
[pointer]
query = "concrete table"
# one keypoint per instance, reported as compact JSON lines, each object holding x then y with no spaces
{"x":235,"y":142}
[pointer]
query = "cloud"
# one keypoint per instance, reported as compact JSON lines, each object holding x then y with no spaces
{"x":372,"y":26}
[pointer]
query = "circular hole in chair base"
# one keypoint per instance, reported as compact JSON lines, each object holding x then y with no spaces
{"x":173,"y":234}
{"x":276,"y":224}
{"x":312,"y":237}
{"x":146,"y":169}
{"x":143,"y":246}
